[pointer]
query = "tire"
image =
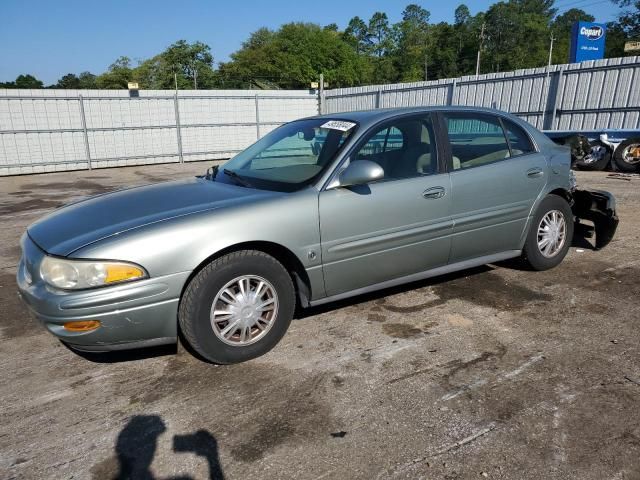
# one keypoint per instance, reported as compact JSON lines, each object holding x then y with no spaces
{"x":533,"y":255}
{"x":250,"y":332}
{"x":627,"y":155}
{"x":580,"y":148}
{"x":597,"y":159}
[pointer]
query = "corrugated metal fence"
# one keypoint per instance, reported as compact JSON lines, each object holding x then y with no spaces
{"x":585,"y":96}
{"x":53,"y":130}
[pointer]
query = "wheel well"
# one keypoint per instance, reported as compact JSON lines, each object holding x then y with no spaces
{"x":289,"y":260}
{"x":562,"y":193}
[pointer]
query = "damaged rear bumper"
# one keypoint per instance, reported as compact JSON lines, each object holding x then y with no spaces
{"x":598,"y":207}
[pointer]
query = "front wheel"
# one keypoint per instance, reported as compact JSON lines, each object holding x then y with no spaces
{"x":238,"y":307}
{"x":550,"y":234}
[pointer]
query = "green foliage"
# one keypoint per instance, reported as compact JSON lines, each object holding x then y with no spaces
{"x":190,"y":66}
{"x":629,"y":19}
{"x":511,"y":34}
{"x":561,"y":29}
{"x":23,"y":81}
{"x":70,"y":80}
{"x":118,"y":75}
{"x":292,"y":57}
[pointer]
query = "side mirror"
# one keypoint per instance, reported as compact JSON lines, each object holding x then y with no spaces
{"x":361,"y":172}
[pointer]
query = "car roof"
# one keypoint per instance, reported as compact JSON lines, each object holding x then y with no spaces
{"x":366,"y":117}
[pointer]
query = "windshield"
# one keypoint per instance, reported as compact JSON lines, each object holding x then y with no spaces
{"x":289,"y":157}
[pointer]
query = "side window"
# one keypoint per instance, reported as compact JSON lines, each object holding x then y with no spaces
{"x":475,"y":140}
{"x":395,"y":140}
{"x":403,"y":149}
{"x":518,"y":140}
{"x":384,"y":140}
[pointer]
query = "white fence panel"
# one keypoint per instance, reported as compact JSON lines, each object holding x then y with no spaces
{"x":52,"y":130}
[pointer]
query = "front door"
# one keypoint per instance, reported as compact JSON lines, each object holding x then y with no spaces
{"x":394,"y":227}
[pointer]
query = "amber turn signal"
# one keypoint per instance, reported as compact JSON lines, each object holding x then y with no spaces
{"x":82,"y":326}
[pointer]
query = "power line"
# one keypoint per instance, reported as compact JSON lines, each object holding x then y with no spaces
{"x":580,"y":4}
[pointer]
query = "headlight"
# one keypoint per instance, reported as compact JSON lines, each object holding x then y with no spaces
{"x":79,"y":274}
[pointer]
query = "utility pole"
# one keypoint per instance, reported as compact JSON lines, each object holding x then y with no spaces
{"x":426,"y":67}
{"x":195,"y":78}
{"x":550,"y":49}
{"x":479,"y":49}
{"x":175,"y":79}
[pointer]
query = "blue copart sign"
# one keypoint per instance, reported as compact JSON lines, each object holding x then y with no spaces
{"x":587,"y":41}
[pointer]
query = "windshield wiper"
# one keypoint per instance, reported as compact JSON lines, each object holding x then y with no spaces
{"x":210,"y":174}
{"x":241,"y":180}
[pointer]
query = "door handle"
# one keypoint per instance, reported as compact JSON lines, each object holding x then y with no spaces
{"x":434,"y":192}
{"x":534,"y":172}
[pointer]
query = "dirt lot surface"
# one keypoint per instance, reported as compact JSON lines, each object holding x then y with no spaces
{"x":494,"y":372}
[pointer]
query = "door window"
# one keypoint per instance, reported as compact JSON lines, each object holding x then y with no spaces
{"x":404,"y":149}
{"x":519,"y":141}
{"x":475,"y":140}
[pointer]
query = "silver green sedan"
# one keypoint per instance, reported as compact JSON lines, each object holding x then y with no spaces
{"x":318,"y":210}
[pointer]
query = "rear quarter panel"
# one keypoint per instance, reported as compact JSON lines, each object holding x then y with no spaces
{"x":558,"y":177}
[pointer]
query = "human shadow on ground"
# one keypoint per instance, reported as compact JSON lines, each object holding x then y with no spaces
{"x":138,"y":440}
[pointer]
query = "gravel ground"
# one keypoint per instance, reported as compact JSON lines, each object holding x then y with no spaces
{"x":492,"y":372}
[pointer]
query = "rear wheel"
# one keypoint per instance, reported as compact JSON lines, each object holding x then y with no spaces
{"x":550,"y":234}
{"x":627,"y":155}
{"x":238,"y":307}
{"x":597,"y":159}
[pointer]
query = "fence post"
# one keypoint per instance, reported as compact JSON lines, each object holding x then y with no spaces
{"x":257,"y":118}
{"x":83,"y":118}
{"x":559,"y":90}
{"x":379,"y":98}
{"x":178,"y":132}
{"x":452,"y":91}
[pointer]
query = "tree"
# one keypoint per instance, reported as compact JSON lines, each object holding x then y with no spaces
{"x":561,"y":29}
{"x":188,"y":64}
{"x":357,"y":35}
{"x":518,"y":34}
{"x":118,"y":75}
{"x":28,"y":81}
{"x":629,"y":18}
{"x":413,"y":43}
{"x":70,"y":80}
{"x":292,"y":57}
{"x":87,"y":80}
{"x":379,"y":34}
{"x":461,"y":15}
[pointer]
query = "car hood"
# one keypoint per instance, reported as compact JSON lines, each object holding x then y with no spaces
{"x":79,"y":224}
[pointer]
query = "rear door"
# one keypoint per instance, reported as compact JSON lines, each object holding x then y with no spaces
{"x":394,"y":227}
{"x":496,"y":176}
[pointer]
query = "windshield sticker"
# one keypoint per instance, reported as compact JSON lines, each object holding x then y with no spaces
{"x":338,"y":125}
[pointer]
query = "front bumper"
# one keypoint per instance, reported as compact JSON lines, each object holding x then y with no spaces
{"x":598,"y":207}
{"x":136,"y":314}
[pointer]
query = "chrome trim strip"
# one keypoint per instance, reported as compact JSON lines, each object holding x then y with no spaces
{"x":454,"y":267}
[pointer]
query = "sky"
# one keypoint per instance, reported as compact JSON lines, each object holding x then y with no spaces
{"x":51,"y":38}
